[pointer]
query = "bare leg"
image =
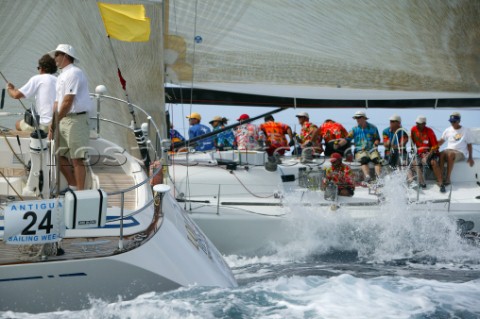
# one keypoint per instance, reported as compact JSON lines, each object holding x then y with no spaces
{"x":378,"y":170}
{"x":437,"y":171}
{"x":79,"y":171}
{"x":17,"y":125}
{"x":450,"y":164}
{"x":66,"y":169}
{"x":443,"y":157}
{"x":365,"y":170}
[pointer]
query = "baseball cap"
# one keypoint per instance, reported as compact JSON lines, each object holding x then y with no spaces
{"x":243,"y":117}
{"x":302,"y":114}
{"x":335,"y":157}
{"x":454,"y":117}
{"x":421,"y":119}
{"x":195,"y":115}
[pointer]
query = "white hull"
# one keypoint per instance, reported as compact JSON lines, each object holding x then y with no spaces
{"x":159,"y":245}
{"x":163,"y":263}
{"x":245,"y":210}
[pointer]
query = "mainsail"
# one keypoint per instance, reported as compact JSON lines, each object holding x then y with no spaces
{"x":405,"y":45}
{"x":30,"y":28}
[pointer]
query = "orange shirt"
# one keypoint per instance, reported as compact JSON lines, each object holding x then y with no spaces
{"x":424,"y":140}
{"x":331,"y":130}
{"x":275,"y":133}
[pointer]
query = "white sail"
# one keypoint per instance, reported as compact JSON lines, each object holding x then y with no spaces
{"x":383,"y":45}
{"x":31,"y":28}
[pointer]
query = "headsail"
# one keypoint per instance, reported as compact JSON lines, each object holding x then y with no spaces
{"x":31,"y":28}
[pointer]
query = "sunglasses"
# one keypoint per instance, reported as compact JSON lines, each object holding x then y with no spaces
{"x":59,"y":53}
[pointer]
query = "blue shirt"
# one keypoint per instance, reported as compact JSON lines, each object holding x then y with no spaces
{"x":175,"y":136}
{"x":224,"y":139}
{"x":363,"y":138}
{"x":198,"y":130}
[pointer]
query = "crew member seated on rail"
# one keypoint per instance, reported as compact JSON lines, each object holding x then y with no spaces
{"x":395,"y":140}
{"x":366,"y":139}
{"x":340,"y":175}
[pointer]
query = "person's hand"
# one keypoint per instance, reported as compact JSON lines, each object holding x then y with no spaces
{"x":50,"y":134}
{"x":10,"y":86}
{"x":471,"y":162}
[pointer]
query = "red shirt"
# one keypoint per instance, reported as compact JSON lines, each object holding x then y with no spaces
{"x":424,"y":140}
{"x":331,"y":130}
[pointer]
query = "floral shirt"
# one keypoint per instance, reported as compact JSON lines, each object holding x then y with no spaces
{"x":340,"y":175}
{"x":307,"y":132}
{"x":389,"y":138}
{"x":275,"y":133}
{"x":331,"y":130}
{"x":247,"y":136}
{"x":224,"y":139}
{"x":424,"y":140}
{"x":364,"y":138}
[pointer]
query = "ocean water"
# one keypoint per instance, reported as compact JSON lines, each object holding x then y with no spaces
{"x":398,"y":265}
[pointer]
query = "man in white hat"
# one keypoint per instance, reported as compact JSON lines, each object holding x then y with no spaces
{"x":459,"y":145}
{"x":395,"y":140}
{"x":365,"y":137}
{"x":427,"y":152}
{"x":306,"y":132}
{"x":72,"y":104}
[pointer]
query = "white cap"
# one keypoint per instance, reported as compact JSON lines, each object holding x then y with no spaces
{"x":421,"y":119}
{"x":303,"y":114}
{"x":395,"y":117}
{"x":65,"y":48}
{"x":360,"y":114}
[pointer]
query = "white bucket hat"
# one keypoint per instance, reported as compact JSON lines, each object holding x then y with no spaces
{"x":395,"y":117}
{"x":360,"y":114}
{"x":421,"y":119}
{"x":65,"y":48}
{"x":303,"y":114}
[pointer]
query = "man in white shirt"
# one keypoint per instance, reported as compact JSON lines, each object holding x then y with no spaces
{"x":42,"y":87}
{"x":459,"y":145}
{"x":73,"y":104}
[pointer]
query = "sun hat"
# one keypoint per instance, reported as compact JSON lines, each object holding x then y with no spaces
{"x":65,"y":48}
{"x":395,"y":117}
{"x":360,"y":114}
{"x":335,"y":157}
{"x":243,"y":117}
{"x":195,"y":115}
{"x":421,"y":119}
{"x":455,"y":117}
{"x":303,"y":114}
{"x":217,"y":119}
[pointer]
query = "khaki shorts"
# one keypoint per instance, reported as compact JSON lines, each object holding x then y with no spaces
{"x":27,"y":128}
{"x":74,"y":136}
{"x":364,"y":157}
{"x":459,"y":156}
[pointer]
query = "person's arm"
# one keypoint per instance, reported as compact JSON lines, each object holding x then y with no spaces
{"x":470,"y":160}
{"x":13,"y":92}
{"x":66,"y":106}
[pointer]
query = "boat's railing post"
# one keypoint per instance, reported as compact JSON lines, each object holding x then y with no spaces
{"x":98,"y":114}
{"x":218,"y":200}
{"x":122,"y":204}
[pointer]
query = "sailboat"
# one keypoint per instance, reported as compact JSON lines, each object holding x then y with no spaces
{"x":120,"y":237}
{"x":321,"y":54}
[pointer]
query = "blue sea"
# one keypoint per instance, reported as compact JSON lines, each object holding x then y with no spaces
{"x":393,"y":266}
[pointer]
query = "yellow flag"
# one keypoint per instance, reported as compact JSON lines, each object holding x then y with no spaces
{"x":125,"y":22}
